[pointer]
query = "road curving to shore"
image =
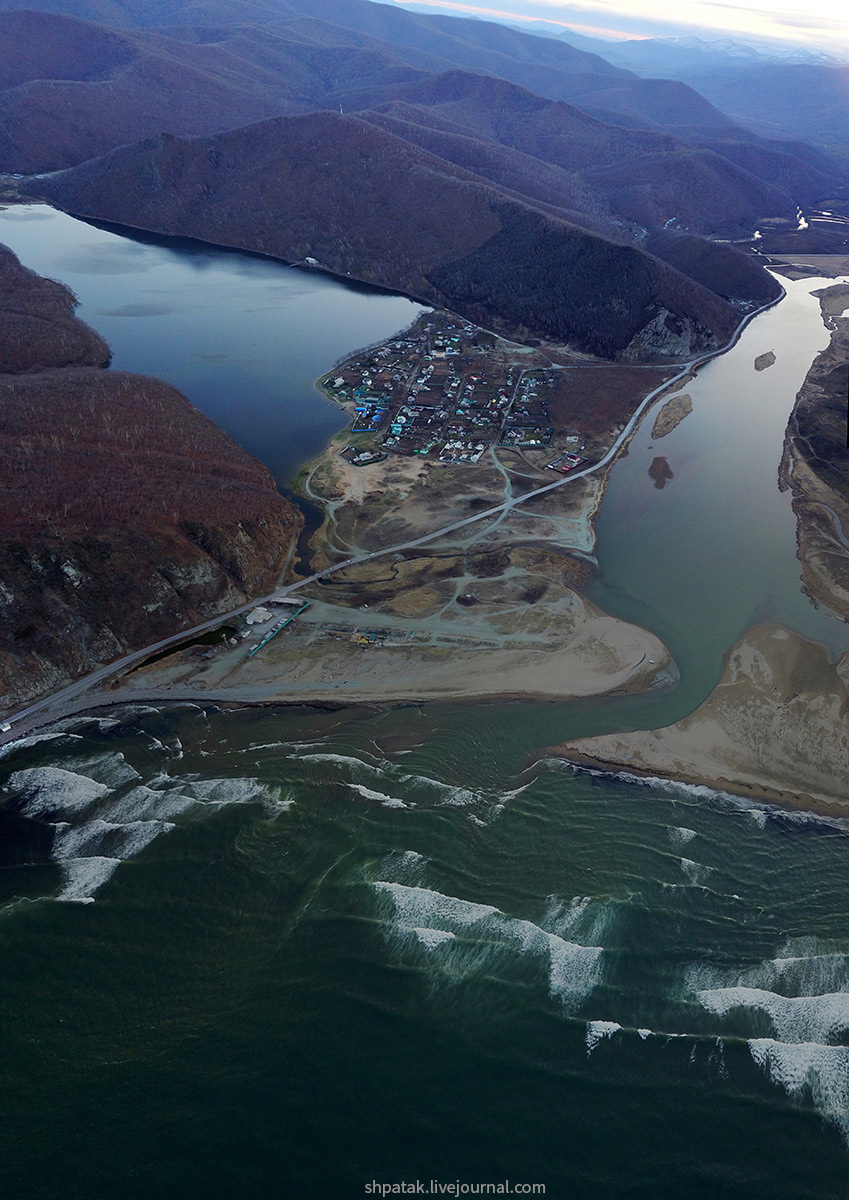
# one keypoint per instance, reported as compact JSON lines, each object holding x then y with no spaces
{"x":58,"y":704}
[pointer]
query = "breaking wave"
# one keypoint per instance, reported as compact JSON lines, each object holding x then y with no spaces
{"x":102,"y":815}
{"x":793,"y":1018}
{"x":697,"y":873}
{"x":802,"y":997}
{"x":680,"y":836}
{"x":83,"y":876}
{"x":36,"y":739}
{"x":597,"y":1030}
{"x":475,"y":935}
{"x":423,"y":788}
{"x":808,"y":1070}
{"x":381,"y":797}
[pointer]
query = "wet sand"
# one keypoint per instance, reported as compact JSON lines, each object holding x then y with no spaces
{"x":776,"y":727}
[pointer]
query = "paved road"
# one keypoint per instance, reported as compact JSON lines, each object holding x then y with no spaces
{"x":50,"y":707}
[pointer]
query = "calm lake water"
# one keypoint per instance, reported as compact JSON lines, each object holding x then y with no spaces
{"x":243,"y":337}
{"x":331,"y":948}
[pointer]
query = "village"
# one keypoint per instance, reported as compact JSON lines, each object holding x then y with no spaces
{"x":447,"y":389}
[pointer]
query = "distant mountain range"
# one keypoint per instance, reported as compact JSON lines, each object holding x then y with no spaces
{"x":516,"y":178}
{"x":793,"y":93}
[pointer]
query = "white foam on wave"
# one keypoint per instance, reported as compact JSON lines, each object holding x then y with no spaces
{"x":453,"y":794}
{"x":144,"y":803}
{"x":762,"y":813}
{"x":221,"y":793}
{"x":672,"y":787}
{"x":106,"y":839}
{"x":597,"y":1030}
{"x":286,"y":745}
{"x":83,"y":876}
{"x":101,"y":822}
{"x":50,"y":790}
{"x":131,"y":712}
{"x":107,"y":767}
{"x":697,"y":873}
{"x":680,"y":836}
{"x":573,"y":970}
{"x":582,"y":918}
{"x":759,"y":811}
{"x":418,"y":906}
{"x":26,"y":743}
{"x":101,"y":724}
{"x":808,"y":1069}
{"x":433,"y":937}
{"x":516,"y":791}
{"x":344,"y":760}
{"x":405,"y":866}
{"x":794,"y":1018}
{"x":381,"y":797}
{"x":806,"y":974}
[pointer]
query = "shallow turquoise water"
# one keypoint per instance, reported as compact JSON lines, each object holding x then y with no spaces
{"x":329,"y":948}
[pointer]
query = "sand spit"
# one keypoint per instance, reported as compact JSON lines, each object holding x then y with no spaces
{"x":569,"y":653}
{"x":775,"y":728}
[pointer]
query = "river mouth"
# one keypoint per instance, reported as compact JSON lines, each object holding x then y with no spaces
{"x":375,"y":930}
{"x":246,"y":339}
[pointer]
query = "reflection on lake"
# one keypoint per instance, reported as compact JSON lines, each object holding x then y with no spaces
{"x":242,"y":336}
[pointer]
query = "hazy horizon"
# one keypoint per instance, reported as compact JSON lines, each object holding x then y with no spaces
{"x":819,"y":26}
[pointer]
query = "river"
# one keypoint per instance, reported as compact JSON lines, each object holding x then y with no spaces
{"x":326,"y":949}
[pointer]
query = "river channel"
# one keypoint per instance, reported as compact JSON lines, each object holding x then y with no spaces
{"x":324,"y":949}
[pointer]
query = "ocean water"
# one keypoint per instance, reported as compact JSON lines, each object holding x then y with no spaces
{"x":291,"y":951}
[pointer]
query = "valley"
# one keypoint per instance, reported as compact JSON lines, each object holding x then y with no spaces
{"x":424,"y":604}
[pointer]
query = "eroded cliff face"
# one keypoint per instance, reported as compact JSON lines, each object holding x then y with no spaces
{"x":125,"y":515}
{"x":668,"y":336}
{"x":816,"y":462}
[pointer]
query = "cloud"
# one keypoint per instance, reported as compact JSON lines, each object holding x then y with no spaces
{"x":781,"y":21}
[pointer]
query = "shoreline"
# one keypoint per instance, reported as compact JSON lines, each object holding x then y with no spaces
{"x":780,"y":801}
{"x":779,"y":695}
{"x":408,"y":693}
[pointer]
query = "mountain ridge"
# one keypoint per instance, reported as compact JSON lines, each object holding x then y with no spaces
{"x":363,"y":202}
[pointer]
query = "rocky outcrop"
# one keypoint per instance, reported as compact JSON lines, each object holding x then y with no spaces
{"x":816,"y":463}
{"x":125,"y":515}
{"x":668,"y":336}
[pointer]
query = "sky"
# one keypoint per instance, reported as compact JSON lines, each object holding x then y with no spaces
{"x":819,"y":24}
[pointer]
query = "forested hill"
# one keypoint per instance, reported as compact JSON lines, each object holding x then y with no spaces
{"x":433,"y":155}
{"x":125,"y":515}
{"x":367,"y":204}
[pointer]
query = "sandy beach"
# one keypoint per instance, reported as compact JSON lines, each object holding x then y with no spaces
{"x":774,"y":728}
{"x":577,"y":653}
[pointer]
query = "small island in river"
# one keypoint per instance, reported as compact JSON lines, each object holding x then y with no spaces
{"x":671,"y":415}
